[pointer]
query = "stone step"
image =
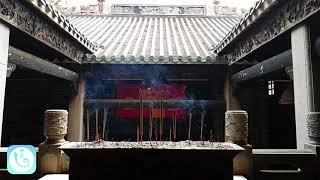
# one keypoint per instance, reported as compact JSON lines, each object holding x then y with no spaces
{"x":3,"y":157}
{"x":4,"y":174}
{"x":239,"y":178}
{"x":66,"y":177}
{"x":290,"y":164}
{"x":55,"y":177}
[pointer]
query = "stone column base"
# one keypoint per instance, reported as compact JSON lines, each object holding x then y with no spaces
{"x":315,"y":148}
{"x":52,"y":159}
{"x":242,"y":163}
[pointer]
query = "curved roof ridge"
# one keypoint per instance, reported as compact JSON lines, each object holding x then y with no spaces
{"x":251,"y":17}
{"x":61,"y":20}
{"x":149,"y":15}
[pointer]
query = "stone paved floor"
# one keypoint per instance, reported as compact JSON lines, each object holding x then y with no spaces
{"x":66,"y":177}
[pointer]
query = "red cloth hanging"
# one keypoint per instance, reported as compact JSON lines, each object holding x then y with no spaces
{"x":170,"y":92}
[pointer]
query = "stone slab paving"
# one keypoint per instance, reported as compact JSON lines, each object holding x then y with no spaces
{"x":239,"y":178}
{"x":55,"y":177}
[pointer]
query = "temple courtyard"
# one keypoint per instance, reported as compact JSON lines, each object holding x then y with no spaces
{"x":146,"y":91}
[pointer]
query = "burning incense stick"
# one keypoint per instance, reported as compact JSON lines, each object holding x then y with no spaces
{"x":170,"y":134}
{"x":175,"y":126}
{"x":156,"y":132}
{"x":97,"y":125}
{"x":142,"y":119}
{"x":141,"y":115}
{"x":107,"y":134}
{"x":88,"y":124}
{"x":150,"y":122}
{"x":189,"y":128}
{"x":138,"y":133}
{"x":161,"y":115}
{"x":105,"y":114}
{"x":203,"y":114}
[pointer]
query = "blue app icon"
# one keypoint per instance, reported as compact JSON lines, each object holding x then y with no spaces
{"x":21,"y":159}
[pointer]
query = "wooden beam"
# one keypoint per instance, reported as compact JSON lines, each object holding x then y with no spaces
{"x":275,"y":63}
{"x":30,"y":61}
{"x":135,"y":103}
{"x":154,"y":72}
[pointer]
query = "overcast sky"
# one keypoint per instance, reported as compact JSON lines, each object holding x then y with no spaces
{"x":233,"y":3}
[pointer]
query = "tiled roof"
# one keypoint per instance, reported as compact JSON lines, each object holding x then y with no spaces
{"x":58,"y":18}
{"x":153,"y":39}
{"x":260,"y":7}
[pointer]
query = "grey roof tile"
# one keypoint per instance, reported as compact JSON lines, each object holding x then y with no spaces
{"x":154,"y":39}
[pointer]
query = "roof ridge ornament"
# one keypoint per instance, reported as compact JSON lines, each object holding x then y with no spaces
{"x":122,"y":9}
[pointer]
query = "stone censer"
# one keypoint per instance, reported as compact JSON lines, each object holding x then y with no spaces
{"x":151,"y":160}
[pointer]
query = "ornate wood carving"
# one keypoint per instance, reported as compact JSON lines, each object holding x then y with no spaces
{"x":22,"y":16}
{"x":278,"y":21}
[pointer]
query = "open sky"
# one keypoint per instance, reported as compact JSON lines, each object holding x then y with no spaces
{"x":232,"y":3}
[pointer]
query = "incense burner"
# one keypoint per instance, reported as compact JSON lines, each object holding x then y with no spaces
{"x":156,"y":160}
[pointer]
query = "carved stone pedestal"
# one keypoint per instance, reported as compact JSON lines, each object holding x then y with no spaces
{"x":313,"y":126}
{"x":236,"y":127}
{"x":52,"y":159}
{"x":242,"y":163}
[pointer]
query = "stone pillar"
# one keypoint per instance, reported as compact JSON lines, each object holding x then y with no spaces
{"x":232,"y":101}
{"x":4,"y":48}
{"x":76,"y":124}
{"x":52,"y":159}
{"x":303,"y":81}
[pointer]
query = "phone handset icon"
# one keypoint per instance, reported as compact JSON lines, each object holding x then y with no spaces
{"x":20,"y":159}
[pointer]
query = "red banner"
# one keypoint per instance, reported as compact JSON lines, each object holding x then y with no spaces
{"x":170,"y":92}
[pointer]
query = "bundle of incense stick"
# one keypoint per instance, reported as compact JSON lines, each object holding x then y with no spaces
{"x":97,"y":125}
{"x":161,"y":115}
{"x":105,"y":114}
{"x":141,"y":114}
{"x":88,"y":124}
{"x":150,"y":122}
{"x":203,"y":114}
{"x":189,"y":127}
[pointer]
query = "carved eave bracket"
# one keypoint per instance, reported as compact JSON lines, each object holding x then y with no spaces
{"x":23,"y":16}
{"x":279,"y":20}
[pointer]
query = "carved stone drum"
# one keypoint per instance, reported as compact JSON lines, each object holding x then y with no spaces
{"x":236,"y":127}
{"x":313,"y":126}
{"x":55,"y":125}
